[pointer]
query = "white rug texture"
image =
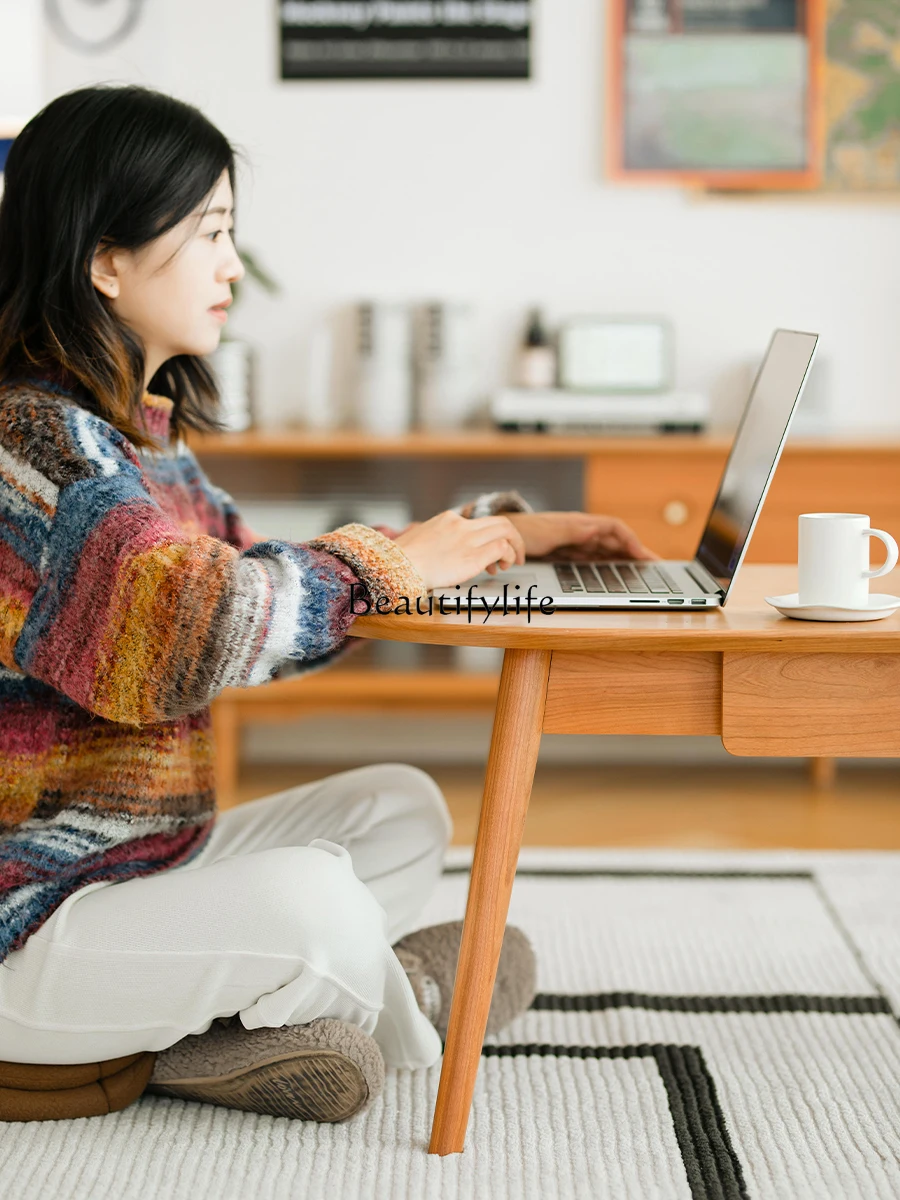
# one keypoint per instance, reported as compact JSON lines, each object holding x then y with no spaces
{"x":709,"y":1026}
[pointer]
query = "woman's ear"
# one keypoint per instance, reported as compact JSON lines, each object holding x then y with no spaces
{"x":104,"y":274}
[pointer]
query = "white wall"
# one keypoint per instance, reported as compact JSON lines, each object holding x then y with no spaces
{"x":493,"y":191}
{"x":21,"y":59}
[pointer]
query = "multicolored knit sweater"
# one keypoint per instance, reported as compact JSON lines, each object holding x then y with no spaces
{"x":131,"y":594}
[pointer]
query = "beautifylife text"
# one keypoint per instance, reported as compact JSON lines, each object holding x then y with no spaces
{"x":505,"y":606}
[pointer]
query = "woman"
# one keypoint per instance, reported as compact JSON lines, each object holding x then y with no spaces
{"x":261,"y":959}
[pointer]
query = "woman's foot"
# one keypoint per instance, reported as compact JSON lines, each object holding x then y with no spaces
{"x":429,"y":958}
{"x":328,"y":1070}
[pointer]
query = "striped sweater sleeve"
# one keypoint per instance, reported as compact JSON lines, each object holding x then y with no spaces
{"x":223,"y":519}
{"x":113,"y":604}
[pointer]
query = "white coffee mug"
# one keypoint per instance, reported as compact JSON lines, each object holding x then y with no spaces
{"x":833,"y":559}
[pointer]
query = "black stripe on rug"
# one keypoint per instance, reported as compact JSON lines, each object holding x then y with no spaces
{"x":844,"y":933}
{"x":713,"y":1168}
{"x":599,"y":1001}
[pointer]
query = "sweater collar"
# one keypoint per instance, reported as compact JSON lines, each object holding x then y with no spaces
{"x":158,"y":415}
{"x":156,"y":410}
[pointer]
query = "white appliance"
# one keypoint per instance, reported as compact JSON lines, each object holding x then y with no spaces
{"x":616,"y":354}
{"x":556,"y":410}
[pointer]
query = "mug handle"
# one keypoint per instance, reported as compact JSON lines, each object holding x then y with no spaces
{"x":891,"y":561}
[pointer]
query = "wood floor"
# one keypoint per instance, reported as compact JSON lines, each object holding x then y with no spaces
{"x":682,"y":806}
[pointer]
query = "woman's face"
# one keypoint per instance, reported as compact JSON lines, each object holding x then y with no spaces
{"x":168,"y":301}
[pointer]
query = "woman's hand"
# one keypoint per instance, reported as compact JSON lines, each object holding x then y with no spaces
{"x":578,"y":535}
{"x":449,"y":549}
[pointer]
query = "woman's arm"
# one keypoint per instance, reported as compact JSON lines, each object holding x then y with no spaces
{"x":223,"y":520}
{"x":578,"y":535}
{"x":111,"y":603}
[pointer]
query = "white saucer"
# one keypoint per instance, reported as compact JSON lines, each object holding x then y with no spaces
{"x":880,"y":605}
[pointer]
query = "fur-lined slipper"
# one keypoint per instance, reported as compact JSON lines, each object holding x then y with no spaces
{"x":429,"y":958}
{"x":328,"y":1070}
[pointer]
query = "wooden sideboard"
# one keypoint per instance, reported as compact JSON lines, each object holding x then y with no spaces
{"x":662,"y":486}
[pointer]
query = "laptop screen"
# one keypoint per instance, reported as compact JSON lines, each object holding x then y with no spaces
{"x":755,"y":452}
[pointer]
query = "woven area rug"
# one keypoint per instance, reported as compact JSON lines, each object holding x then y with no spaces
{"x":708,"y":1025}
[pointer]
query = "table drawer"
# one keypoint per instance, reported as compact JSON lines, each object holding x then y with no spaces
{"x":811,"y":704}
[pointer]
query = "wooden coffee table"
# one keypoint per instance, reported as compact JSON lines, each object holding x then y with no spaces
{"x":765,"y":684}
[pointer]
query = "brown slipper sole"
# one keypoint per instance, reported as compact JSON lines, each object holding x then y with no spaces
{"x":325,"y":1071}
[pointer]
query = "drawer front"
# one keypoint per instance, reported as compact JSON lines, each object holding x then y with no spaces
{"x":666,"y":498}
{"x":826,"y":481}
{"x":811,"y":704}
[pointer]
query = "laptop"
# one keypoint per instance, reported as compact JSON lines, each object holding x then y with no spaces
{"x":704,"y":581}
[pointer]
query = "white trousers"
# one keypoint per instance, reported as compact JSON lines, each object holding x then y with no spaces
{"x":287,"y":914}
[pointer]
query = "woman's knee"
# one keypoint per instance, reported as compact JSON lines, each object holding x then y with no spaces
{"x":423,"y":800}
{"x":314,"y":894}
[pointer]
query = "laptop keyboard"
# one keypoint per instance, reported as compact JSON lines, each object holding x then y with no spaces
{"x":615,"y":579}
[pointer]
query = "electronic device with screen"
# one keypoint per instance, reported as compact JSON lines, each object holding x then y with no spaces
{"x":705,"y":580}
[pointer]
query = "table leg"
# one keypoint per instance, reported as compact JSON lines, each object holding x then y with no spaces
{"x":515,"y":741}
{"x":226,"y":735}
{"x":823,"y":773}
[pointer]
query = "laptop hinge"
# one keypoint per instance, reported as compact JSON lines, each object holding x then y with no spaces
{"x":703,"y":577}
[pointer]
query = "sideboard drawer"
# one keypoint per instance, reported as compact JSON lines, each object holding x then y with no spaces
{"x":826,"y":481}
{"x":666,"y":498}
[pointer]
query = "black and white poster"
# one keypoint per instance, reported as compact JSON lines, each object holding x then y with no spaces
{"x":405,"y":39}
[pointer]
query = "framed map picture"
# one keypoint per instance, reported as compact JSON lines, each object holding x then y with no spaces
{"x":725,"y":93}
{"x":862,"y":96}
{"x":405,"y":39}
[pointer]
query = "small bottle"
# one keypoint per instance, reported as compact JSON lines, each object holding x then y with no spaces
{"x":537,"y":357}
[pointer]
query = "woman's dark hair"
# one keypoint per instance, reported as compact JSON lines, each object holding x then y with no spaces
{"x":121,"y":165}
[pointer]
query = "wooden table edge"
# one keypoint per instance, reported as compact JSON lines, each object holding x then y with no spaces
{"x":833,"y":637}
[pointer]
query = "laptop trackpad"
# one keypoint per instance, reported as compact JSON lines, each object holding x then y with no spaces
{"x":492,"y":585}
